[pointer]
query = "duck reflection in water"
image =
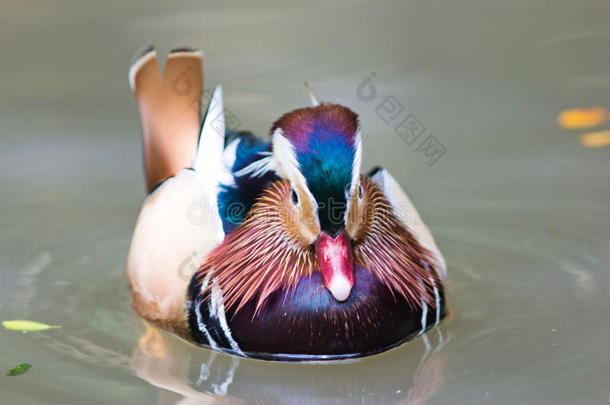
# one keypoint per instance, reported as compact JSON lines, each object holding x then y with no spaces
{"x":188,"y":375}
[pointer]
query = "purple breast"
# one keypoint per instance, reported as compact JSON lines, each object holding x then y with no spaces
{"x":307,"y":323}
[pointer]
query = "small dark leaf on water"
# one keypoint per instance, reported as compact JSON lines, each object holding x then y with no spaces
{"x":20,"y":369}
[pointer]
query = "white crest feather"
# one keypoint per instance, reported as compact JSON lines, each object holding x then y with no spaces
{"x":357,"y":161}
{"x":286,"y":163}
{"x":259,"y":167}
{"x":285,"y":157}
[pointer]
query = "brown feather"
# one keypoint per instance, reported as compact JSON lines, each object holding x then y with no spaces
{"x":169,"y":107}
{"x":390,"y":251}
{"x":261,"y":255}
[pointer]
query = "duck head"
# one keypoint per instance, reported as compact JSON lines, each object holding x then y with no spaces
{"x":318,"y":150}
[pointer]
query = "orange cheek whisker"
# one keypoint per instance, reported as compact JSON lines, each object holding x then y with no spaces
{"x":263,"y":254}
{"x":260,"y":256}
{"x":392,"y":253}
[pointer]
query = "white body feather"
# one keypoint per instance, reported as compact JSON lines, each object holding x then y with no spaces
{"x":177,"y":227}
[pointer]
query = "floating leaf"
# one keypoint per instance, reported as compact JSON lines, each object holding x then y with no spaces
{"x":595,"y":139}
{"x":581,"y":118}
{"x":18,"y":370}
{"x":27,"y":325}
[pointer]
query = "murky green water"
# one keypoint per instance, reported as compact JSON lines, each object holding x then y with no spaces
{"x":520,"y":209}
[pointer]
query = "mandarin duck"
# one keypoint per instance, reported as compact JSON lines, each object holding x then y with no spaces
{"x":295,"y":255}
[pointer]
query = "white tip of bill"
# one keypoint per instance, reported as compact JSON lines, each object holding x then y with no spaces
{"x":340,"y":287}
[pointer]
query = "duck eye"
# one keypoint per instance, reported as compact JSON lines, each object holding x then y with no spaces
{"x":360,"y":192}
{"x":294,"y":197}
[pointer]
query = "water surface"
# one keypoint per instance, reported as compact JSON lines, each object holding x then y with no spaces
{"x":518,"y":206}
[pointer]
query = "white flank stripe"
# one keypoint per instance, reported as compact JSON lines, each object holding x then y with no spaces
{"x":424,"y":316}
{"x":200,"y":322}
{"x":217,"y":309}
{"x":437,"y":297}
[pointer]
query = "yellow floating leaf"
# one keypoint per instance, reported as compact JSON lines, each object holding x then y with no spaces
{"x":581,"y":118}
{"x":595,"y":139}
{"x":27,"y":325}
